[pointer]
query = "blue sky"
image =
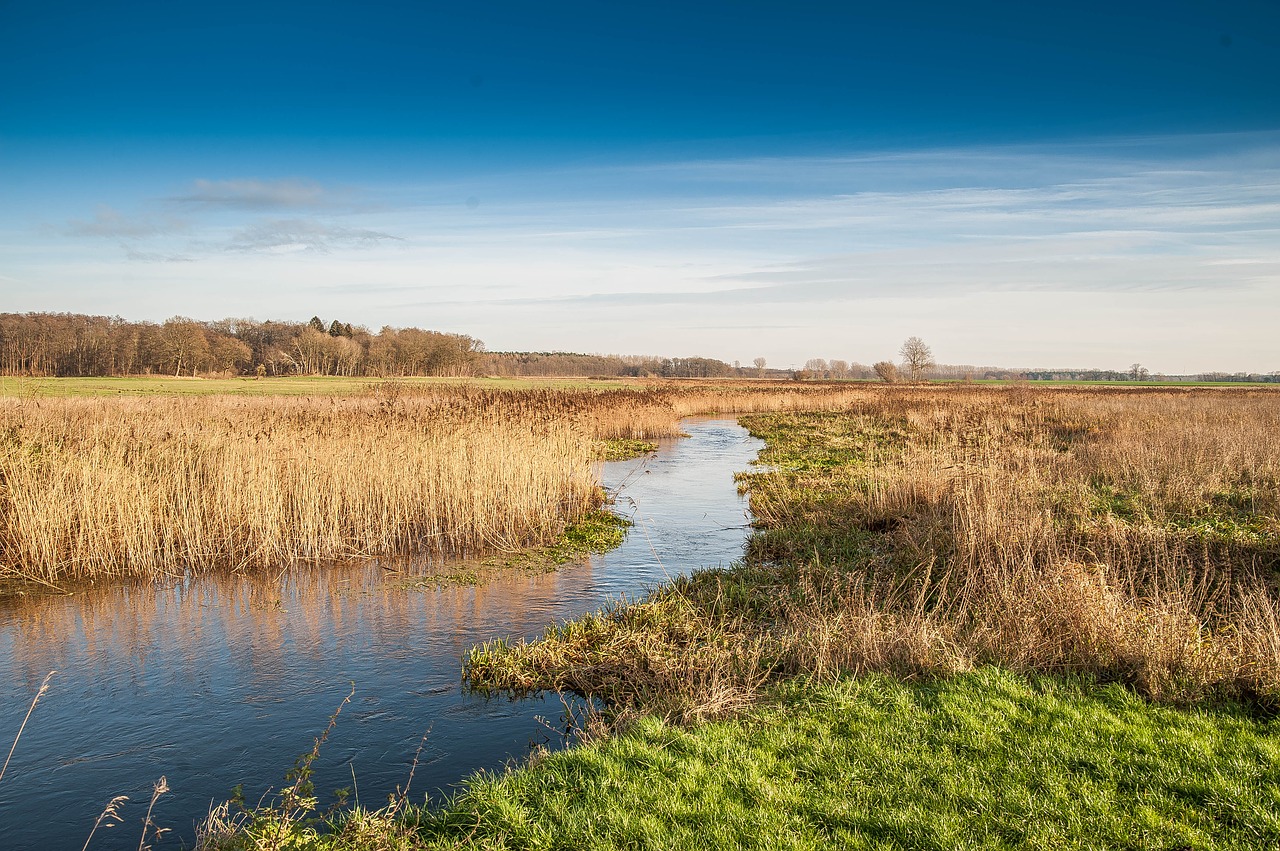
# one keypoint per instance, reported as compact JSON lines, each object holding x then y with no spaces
{"x":1089,"y":184}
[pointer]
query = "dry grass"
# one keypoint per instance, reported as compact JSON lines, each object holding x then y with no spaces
{"x":1133,"y":537}
{"x":93,"y":488}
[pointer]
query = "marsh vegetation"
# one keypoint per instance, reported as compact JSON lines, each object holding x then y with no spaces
{"x":1022,"y":617}
{"x":1132,"y":537}
{"x":112,"y":487}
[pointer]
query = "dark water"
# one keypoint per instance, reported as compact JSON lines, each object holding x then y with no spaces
{"x":220,"y":681}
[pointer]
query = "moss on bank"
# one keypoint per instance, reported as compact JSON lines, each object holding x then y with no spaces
{"x":598,"y":531}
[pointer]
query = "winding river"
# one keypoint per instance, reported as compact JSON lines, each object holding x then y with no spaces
{"x":219,"y":681}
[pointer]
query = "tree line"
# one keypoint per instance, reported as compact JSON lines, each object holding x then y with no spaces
{"x":77,"y":345}
{"x":71,"y":345}
{"x":612,"y":366}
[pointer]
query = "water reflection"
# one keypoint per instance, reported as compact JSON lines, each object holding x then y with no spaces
{"x":220,"y":680}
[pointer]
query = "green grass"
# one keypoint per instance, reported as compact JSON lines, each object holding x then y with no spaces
{"x":986,"y":760}
{"x":597,"y":531}
{"x":310,"y":385}
{"x":622,"y":449}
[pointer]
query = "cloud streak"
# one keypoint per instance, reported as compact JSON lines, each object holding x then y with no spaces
{"x":798,"y":248}
{"x":254,"y":194}
{"x":113,"y":224}
{"x":286,"y":236}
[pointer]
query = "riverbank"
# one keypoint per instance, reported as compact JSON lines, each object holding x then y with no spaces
{"x":956,"y":628}
{"x":986,"y":759}
{"x":216,"y":679}
{"x":105,"y":488}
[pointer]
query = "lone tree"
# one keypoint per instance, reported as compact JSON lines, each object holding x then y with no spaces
{"x":916,"y":356}
{"x":887,"y":371}
{"x":759,"y":364}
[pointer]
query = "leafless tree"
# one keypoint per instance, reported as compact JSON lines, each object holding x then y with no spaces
{"x":916,"y":356}
{"x":759,"y":365}
{"x":817,"y":367}
{"x":887,"y":371}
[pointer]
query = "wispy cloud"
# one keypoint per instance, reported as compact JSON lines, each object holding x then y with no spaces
{"x":113,"y":224}
{"x":756,"y":252}
{"x":254,"y":194}
{"x":136,"y":256}
{"x":287,"y":236}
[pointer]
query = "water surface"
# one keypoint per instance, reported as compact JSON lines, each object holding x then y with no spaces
{"x":219,"y":681}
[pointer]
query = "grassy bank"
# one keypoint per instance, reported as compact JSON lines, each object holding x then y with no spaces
{"x":95,"y":488}
{"x":969,"y":618}
{"x":988,"y":759}
{"x":1132,"y":537}
{"x":597,"y":531}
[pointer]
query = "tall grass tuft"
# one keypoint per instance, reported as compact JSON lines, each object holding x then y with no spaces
{"x":1128,"y":536}
{"x":94,"y":488}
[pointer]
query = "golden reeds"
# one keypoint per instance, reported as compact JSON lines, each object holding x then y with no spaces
{"x":92,"y":488}
{"x":1130,"y":536}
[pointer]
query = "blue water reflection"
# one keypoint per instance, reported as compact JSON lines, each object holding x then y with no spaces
{"x":218,"y":681}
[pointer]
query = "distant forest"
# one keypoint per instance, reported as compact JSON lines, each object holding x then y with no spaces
{"x":76,"y":345}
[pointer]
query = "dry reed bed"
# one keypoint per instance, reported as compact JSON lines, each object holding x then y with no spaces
{"x":93,"y":488}
{"x":1132,"y":536}
{"x":96,"y":488}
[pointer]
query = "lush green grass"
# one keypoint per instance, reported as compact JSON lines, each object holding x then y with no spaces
{"x":982,"y":760}
{"x":313,"y":385}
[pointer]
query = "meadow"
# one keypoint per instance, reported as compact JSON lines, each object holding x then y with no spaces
{"x":969,"y":616}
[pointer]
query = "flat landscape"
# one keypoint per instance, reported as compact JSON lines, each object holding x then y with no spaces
{"x":508,"y":425}
{"x":968,"y":616}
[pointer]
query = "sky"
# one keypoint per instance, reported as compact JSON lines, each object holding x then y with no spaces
{"x":1020,"y":184}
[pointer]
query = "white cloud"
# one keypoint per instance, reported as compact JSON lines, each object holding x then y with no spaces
{"x":111,"y":223}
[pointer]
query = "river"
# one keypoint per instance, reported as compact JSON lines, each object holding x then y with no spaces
{"x":216,"y":681}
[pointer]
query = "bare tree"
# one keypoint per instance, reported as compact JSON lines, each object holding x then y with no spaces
{"x":184,"y":344}
{"x":759,"y":365}
{"x":916,"y":356}
{"x":1138,"y":372}
{"x":887,"y":371}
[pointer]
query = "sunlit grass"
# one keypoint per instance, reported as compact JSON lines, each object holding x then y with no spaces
{"x":988,"y":759}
